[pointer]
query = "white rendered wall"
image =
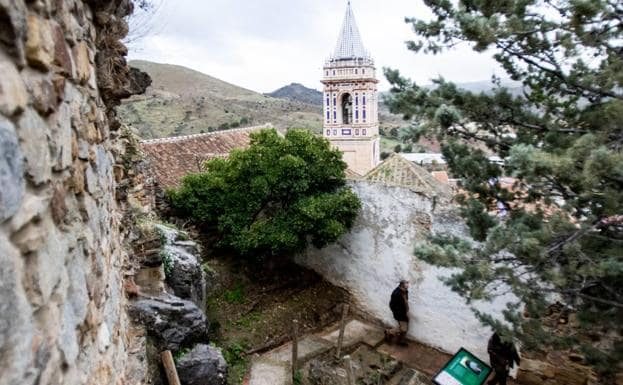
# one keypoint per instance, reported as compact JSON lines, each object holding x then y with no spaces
{"x":377,"y":253}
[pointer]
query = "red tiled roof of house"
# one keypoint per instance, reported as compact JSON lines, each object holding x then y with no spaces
{"x":172,"y":158}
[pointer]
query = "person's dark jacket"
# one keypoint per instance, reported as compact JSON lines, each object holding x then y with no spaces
{"x":502,"y":354}
{"x":398,"y":305}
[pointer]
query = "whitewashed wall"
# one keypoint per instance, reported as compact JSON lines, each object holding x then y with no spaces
{"x":378,"y":252}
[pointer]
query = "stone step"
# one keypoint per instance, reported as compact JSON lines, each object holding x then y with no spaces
{"x":408,"y":376}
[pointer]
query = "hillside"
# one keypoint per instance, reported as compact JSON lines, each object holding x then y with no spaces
{"x":298,"y":93}
{"x":182,"y":101}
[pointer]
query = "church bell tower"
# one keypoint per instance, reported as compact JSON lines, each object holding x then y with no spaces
{"x":351,"y":121}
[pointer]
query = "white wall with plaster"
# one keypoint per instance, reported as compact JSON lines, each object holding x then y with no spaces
{"x":377,"y":253}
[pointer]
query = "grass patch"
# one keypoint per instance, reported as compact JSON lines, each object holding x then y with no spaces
{"x":235,"y":295}
{"x":237,"y":362}
{"x":181,"y":353}
{"x":167,"y":262}
{"x":248,"y":320}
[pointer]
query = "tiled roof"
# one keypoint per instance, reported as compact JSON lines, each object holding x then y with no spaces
{"x":397,"y":171}
{"x":349,"y":44}
{"x":172,"y":158}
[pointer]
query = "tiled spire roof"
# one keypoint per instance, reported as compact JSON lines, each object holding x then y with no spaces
{"x":349,"y":44}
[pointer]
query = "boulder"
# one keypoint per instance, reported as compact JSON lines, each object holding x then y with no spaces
{"x":204,"y":365}
{"x":184,"y":275}
{"x":172,"y":321}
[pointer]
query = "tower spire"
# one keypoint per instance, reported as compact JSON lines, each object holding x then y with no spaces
{"x":349,"y":44}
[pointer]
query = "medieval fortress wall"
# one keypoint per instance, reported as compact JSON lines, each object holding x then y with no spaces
{"x":377,"y":253}
{"x":61,"y":257}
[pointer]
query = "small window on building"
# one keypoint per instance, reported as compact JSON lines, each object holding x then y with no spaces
{"x":364,"y":99}
{"x":326,"y":73}
{"x":357,"y":131}
{"x":363,"y":70}
{"x":364,"y":132}
{"x":356,"y":72}
{"x":364,"y":115}
{"x":334,"y":132}
{"x":333,"y":72}
{"x":328,"y":115}
{"x":356,"y":114}
{"x":328,"y":132}
{"x":356,"y":100}
{"x":334,"y":115}
{"x":335,"y":101}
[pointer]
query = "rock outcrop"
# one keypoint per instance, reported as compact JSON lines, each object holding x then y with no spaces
{"x":172,"y":321}
{"x":203,"y":365}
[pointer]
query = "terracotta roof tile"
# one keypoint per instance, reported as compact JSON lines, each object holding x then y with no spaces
{"x":397,"y":171}
{"x":172,"y":158}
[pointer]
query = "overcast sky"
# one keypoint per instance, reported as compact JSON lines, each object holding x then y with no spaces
{"x":266,"y":44}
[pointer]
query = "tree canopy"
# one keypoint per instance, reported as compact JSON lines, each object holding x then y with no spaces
{"x":557,"y":236}
{"x":273,"y":198}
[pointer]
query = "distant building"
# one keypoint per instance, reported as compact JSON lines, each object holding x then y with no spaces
{"x":350,"y":100}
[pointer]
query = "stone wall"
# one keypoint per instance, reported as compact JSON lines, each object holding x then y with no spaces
{"x":377,"y":253}
{"x":62,"y":318}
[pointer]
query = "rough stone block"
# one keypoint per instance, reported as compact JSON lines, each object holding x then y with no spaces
{"x":16,"y":330}
{"x":62,"y":55}
{"x":13,"y":96}
{"x":34,"y":143}
{"x":11,"y":171}
{"x":81,"y":58}
{"x":42,"y":91}
{"x":39,"y":42}
{"x":61,"y":139}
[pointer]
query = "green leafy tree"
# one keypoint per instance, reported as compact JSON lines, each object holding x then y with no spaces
{"x":561,"y":238}
{"x":273,"y":198}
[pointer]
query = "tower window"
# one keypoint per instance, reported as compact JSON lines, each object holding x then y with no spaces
{"x":356,"y":100}
{"x":326,"y":73}
{"x":356,"y":114}
{"x":333,"y":72}
{"x":347,"y":108}
{"x":356,"y":71}
{"x":334,"y":115}
{"x":364,"y":115}
{"x":364,"y":99}
{"x":357,"y":131}
{"x":328,"y":115}
{"x":328,"y":132}
{"x":364,"y":132}
{"x":328,"y":104}
{"x":334,"y":101}
{"x":334,"y":132}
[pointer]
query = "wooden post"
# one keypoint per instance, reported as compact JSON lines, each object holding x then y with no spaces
{"x":169,"y":367}
{"x":340,"y":338}
{"x":295,"y":346}
{"x":350,"y":377}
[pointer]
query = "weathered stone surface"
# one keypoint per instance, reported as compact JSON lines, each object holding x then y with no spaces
{"x":16,"y":329}
{"x":13,"y":95}
{"x":39,"y":42}
{"x":172,"y":321}
{"x":34,"y":145}
{"x":81,"y":58}
{"x":62,"y":56}
{"x":186,"y":277}
{"x":32,"y":208}
{"x":11,"y":171}
{"x":13,"y":28}
{"x":203,"y":365}
{"x":42,"y":91}
{"x":61,"y":139}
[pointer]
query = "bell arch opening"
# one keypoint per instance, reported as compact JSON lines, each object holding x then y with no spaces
{"x":347,"y":108}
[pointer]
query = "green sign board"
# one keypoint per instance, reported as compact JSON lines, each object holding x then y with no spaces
{"x":463,"y":369}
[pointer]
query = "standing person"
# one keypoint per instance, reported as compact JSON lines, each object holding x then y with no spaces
{"x":399,"y":305}
{"x":502,"y":356}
